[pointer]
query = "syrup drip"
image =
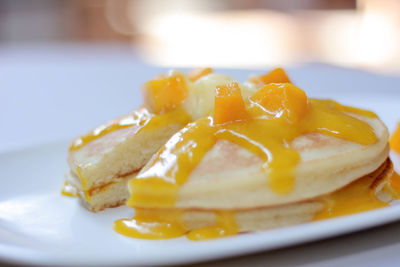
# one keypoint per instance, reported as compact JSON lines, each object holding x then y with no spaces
{"x":69,"y":190}
{"x":152,"y":224}
{"x":164,"y":224}
{"x":359,"y":196}
{"x":141,"y":118}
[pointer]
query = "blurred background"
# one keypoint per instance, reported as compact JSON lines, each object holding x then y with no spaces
{"x":221,"y":33}
{"x":67,"y":66}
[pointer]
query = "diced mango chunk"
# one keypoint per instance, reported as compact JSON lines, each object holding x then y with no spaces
{"x":395,"y":140}
{"x":229,"y":104}
{"x":164,"y":93}
{"x":283,"y":100}
{"x":277,"y":75}
{"x":196,"y":74}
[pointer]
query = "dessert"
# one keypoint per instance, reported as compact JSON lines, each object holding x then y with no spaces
{"x":260,"y":155}
{"x":207,"y":156}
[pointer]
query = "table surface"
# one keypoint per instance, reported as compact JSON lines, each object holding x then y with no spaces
{"x":50,"y":93}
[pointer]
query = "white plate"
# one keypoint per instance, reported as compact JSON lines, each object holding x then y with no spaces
{"x":39,"y":226}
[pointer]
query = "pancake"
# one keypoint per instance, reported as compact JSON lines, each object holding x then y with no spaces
{"x":119,"y":153}
{"x":230,"y":176}
{"x":373,"y":189}
{"x":108,"y":195}
{"x":263,"y":218}
{"x":273,"y":159}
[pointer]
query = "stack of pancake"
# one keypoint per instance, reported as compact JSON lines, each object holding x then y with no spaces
{"x":228,"y":188}
{"x":272,"y":158}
